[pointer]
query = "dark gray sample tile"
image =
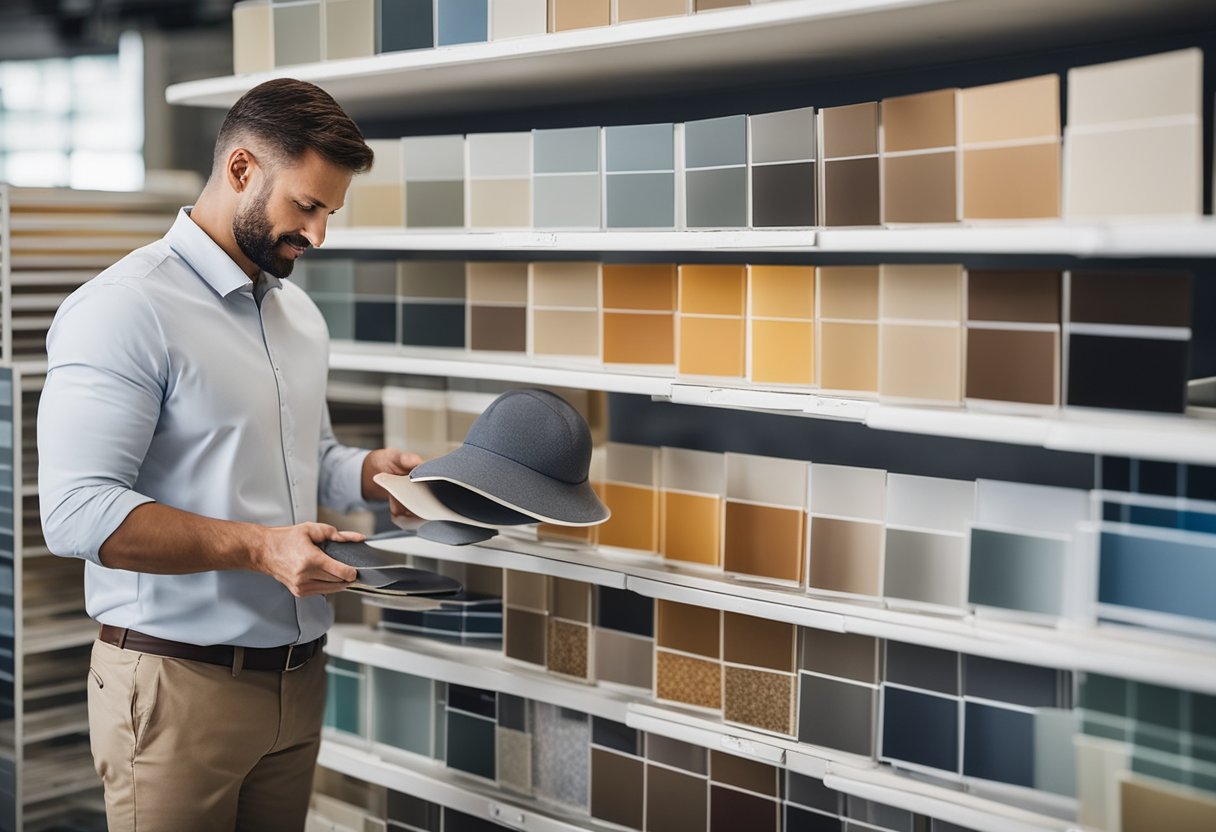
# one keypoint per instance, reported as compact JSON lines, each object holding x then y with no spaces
{"x":1020,"y":684}
{"x":809,"y":792}
{"x":851,"y":193}
{"x":716,"y":141}
{"x":513,"y":712}
{"x":836,"y":714}
{"x":920,"y":728}
{"x":405,"y":24}
{"x":783,"y":195}
{"x":571,"y":150}
{"x":473,"y":700}
{"x":716,"y":198}
{"x":1128,"y":373}
{"x":634,"y":147}
{"x":413,"y":811}
{"x":471,"y":744}
{"x":787,"y":136}
{"x":376,"y":321}
{"x":454,"y":821}
{"x":999,"y":745}
{"x":800,"y":820}
{"x":376,"y":279}
{"x":1017,"y":572}
{"x":432,"y":324}
{"x":616,"y":735}
{"x":922,"y":667}
{"x":641,"y":200}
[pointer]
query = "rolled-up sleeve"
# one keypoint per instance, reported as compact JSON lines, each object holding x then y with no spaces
{"x":107,"y":372}
{"x":340,"y":471}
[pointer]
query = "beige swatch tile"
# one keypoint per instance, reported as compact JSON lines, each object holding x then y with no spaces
{"x":1012,"y":182}
{"x":921,"y":362}
{"x":1028,"y":108}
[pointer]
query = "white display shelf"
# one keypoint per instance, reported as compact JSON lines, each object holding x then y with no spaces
{"x":1182,"y":237}
{"x":1159,"y":658}
{"x":50,"y":723}
{"x":471,"y":666}
{"x":126,"y":224}
{"x":795,"y":38}
{"x":1144,"y":436}
{"x":58,"y":635}
{"x":432,"y":781}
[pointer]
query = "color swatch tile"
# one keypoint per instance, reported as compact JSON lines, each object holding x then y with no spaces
{"x":1146,"y":804}
{"x":927,"y":521}
{"x":526,"y":616}
{"x":692,"y":488}
{"x":688,"y":656}
{"x":764,"y":527}
{"x":1133,"y":143}
{"x":331,"y":285}
{"x":921,"y":337}
{"x":712,"y":328}
{"x":852,"y":193}
{"x":624,"y":638}
{"x":462,"y":21}
{"x":518,"y":18}
{"x":405,"y":25}
{"x":838,"y":691}
{"x":561,"y":758}
{"x":432,"y":298}
{"x":1011,"y":149}
{"x":640,"y":178}
{"x":679,"y":772}
{"x":413,"y":813}
{"x":715,"y":173}
{"x":1013,"y":336}
{"x":848,"y":329}
{"x":784,"y":177}
{"x":743,"y":794}
{"x":1133,"y":325}
{"x":782,"y":325}
{"x":631,"y":494}
{"x":920,"y":728}
{"x":297,"y":32}
{"x":759,"y":677}
{"x":920,"y":158}
{"x":472,"y":715}
{"x":350,"y":29}
{"x":344,"y":696}
{"x":639,"y":314}
{"x":618,"y":774}
{"x":514,"y":742}
{"x":1021,"y":546}
{"x":252,"y":36}
{"x":848,"y":507}
{"x":498,"y":306}
{"x":566,"y":178}
{"x":403,"y":711}
{"x":415,"y":418}
{"x":630,"y":10}
{"x":564,"y":309}
{"x":578,"y":14}
{"x":377,"y":198}
{"x":500,"y":180}
{"x":569,"y":642}
{"x":434,"y":181}
{"x":710,"y":5}
{"x":376,"y":301}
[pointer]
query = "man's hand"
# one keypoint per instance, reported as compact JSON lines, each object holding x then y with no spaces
{"x":387,"y":461}
{"x":289,"y":554}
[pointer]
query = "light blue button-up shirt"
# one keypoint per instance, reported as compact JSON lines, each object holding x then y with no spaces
{"x":171,"y":380}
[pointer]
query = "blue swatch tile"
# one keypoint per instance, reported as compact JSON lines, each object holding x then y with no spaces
{"x":463,"y":21}
{"x":920,"y":728}
{"x":999,"y":745}
{"x":1170,"y":576}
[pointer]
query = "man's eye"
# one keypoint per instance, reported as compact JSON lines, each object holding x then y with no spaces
{"x":304,"y":207}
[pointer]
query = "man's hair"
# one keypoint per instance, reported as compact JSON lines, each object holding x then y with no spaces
{"x":287,"y":118}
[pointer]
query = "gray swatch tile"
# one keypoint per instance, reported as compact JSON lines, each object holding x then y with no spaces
{"x":639,"y":147}
{"x":561,"y":760}
{"x":462,"y":21}
{"x":809,"y":792}
{"x":330,"y":276}
{"x":432,"y":324}
{"x":1020,"y":684}
{"x":405,"y":24}
{"x":571,"y":150}
{"x":566,"y":201}
{"x":922,"y":566}
{"x":787,"y":136}
{"x":376,"y":279}
{"x":1018,"y":572}
{"x":403,"y":707}
{"x":1055,"y":761}
{"x":716,"y":141}
{"x":922,"y":667}
{"x":836,"y":714}
{"x":297,"y":34}
{"x":339,"y":317}
{"x":641,"y":200}
{"x":716,"y":198}
{"x":783,"y":195}
{"x":434,"y":205}
{"x":431,"y":279}
{"x":414,"y":812}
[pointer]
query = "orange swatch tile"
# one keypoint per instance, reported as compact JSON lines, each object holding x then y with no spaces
{"x":764,"y":541}
{"x":634,"y":520}
{"x":691,"y":526}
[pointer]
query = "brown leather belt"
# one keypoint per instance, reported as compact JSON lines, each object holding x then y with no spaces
{"x":289,"y":657}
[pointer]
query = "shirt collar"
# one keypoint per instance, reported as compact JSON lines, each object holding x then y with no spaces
{"x":210,"y":261}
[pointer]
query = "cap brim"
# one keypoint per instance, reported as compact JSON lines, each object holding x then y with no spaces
{"x":516,"y":486}
{"x":454,"y":534}
{"x":418,"y":498}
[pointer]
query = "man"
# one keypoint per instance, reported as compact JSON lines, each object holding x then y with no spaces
{"x":184,"y":443}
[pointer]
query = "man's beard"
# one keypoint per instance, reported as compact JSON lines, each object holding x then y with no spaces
{"x":255,"y":235}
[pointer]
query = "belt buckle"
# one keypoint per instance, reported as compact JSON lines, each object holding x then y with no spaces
{"x":287,"y":665}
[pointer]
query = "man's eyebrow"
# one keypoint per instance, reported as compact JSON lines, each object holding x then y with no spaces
{"x":316,"y":202}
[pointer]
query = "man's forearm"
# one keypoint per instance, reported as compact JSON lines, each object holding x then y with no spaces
{"x":167,"y":541}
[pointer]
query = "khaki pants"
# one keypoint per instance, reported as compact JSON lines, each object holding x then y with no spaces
{"x":184,"y":746}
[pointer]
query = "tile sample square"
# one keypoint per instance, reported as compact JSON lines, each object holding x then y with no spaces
{"x":782,"y":314}
{"x":462,"y":21}
{"x":921,"y":334}
{"x":846,"y":529}
{"x":518,"y":18}
{"x":500,"y":180}
{"x":715,"y":165}
{"x":297,"y":32}
{"x":498,"y":306}
{"x":561,"y":758}
{"x":564,"y":309}
{"x":640,"y":178}
{"x":617,"y":788}
{"x":764,"y":528}
{"x":631,"y":494}
{"x":851,"y":181}
{"x":999,"y":744}
{"x":687,"y":680}
{"x":927,"y":519}
{"x":783,"y":159}
{"x":431,"y":295}
{"x":434,"y":175}
{"x":693,"y":485}
{"x":1011,"y":149}
{"x":920,"y":728}
{"x":578,"y":14}
{"x":639,"y":314}
{"x":566,"y":178}
{"x":514,"y":759}
{"x":472,"y":744}
{"x":377,"y":198}
{"x":848,"y":328}
{"x":1019,"y":363}
{"x":405,"y":25}
{"x":685,"y":804}
{"x":712,"y":301}
{"x":624,"y":659}
{"x":630,"y":10}
{"x":252,"y":36}
{"x":1134,"y":137}
{"x":402,"y":710}
{"x":350,"y":29}
{"x":920,"y":158}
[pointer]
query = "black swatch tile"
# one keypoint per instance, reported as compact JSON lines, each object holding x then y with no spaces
{"x":1201,"y":482}
{"x":376,"y":321}
{"x":454,"y":821}
{"x":800,"y":820}
{"x":1020,"y":684}
{"x":731,"y":811}
{"x":809,"y":792}
{"x":1116,"y":474}
{"x":432,"y":324}
{"x":512,"y":712}
{"x":625,"y":611}
{"x":471,"y":744}
{"x":920,"y":728}
{"x":615,"y":735}
{"x":922,"y":667}
{"x":1133,"y":298}
{"x":472,"y":700}
{"x":1154,"y":477}
{"x":999,"y":745}
{"x":1127,"y":373}
{"x":1107,"y":694}
{"x":413,"y":811}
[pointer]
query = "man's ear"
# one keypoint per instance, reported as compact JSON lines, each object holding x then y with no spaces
{"x":239,"y":168}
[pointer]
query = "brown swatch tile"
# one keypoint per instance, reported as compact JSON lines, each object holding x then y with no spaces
{"x":677,"y":754}
{"x":921,"y":362}
{"x":846,"y":655}
{"x":846,"y":556}
{"x":1145,"y":807}
{"x":707,"y":5}
{"x":783,"y":352}
{"x":691,"y":525}
{"x":920,"y":188}
{"x":617,"y":788}
{"x":683,"y":804}
{"x":1137,"y":298}
{"x":849,"y":292}
{"x":691,"y":681}
{"x":711,"y":346}
{"x":527,"y":589}
{"x":624,"y":659}
{"x":763,"y":541}
{"x":498,"y":328}
{"x":1012,"y":182}
{"x":731,"y":810}
{"x":849,"y":356}
{"x":852,"y":192}
{"x":524,"y":636}
{"x":492,"y":282}
{"x":634,"y":522}
{"x":919,"y":122}
{"x":571,"y":534}
{"x":745,"y":774}
{"x":639,"y":339}
{"x":1026,"y":295}
{"x":1028,"y":108}
{"x":851,"y":130}
{"x":627,"y":10}
{"x":571,"y":600}
{"x":759,"y":698}
{"x":1013,"y":366}
{"x":568,"y":648}
{"x":648,"y":287}
{"x":578,"y":14}
{"x":689,"y":629}
{"x":712,"y":290}
{"x":758,"y":642}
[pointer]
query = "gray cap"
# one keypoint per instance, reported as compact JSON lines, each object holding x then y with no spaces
{"x":531,"y":451}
